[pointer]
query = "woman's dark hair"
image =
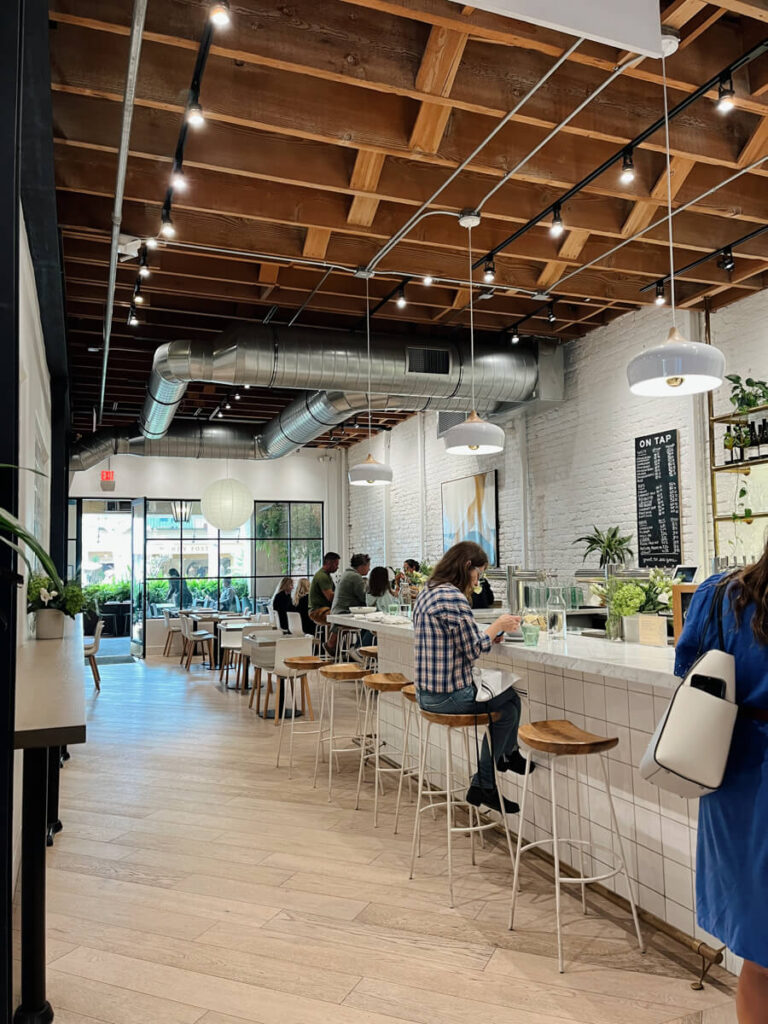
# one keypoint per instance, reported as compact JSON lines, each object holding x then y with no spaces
{"x":357,"y":560}
{"x":750,"y":586}
{"x":378,"y":581}
{"x":412,"y":564}
{"x":456,"y":564}
{"x":173,"y":572}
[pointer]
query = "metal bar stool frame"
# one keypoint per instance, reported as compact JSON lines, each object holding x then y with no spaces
{"x":305,"y":665}
{"x":376,"y":684}
{"x":328,"y":705}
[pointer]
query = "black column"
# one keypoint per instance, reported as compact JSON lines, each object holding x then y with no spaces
{"x":11,"y":21}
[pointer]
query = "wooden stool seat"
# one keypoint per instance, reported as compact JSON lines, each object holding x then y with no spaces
{"x":385,"y":682}
{"x":369,"y":652}
{"x":559,"y":736}
{"x":306,"y":663}
{"x":409,"y":692}
{"x":460,"y":721}
{"x":343,"y":671}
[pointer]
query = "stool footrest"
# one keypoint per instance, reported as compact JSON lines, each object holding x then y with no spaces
{"x":567,"y":880}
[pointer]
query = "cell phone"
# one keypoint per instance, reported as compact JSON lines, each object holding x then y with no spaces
{"x":709,"y":684}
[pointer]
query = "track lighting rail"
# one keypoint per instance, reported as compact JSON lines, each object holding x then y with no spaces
{"x":724,"y":250}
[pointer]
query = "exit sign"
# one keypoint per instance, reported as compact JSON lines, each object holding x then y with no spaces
{"x":108,"y":476}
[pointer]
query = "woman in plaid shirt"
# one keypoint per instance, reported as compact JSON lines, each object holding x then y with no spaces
{"x":448,"y":642}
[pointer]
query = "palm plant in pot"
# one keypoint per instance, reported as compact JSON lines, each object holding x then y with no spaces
{"x":611,"y":546}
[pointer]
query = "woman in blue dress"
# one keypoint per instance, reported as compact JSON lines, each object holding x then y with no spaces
{"x":732,"y":852}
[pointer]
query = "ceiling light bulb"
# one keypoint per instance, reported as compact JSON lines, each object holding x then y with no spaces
{"x":179,"y":181}
{"x":725,"y":95}
{"x":144,"y":270}
{"x":557,"y":222}
{"x":220,"y":414}
{"x":660,"y":299}
{"x":551,"y":313}
{"x":427,"y":280}
{"x":627,"y":175}
{"x":727,"y":262}
{"x":227,"y":406}
{"x":247,"y":387}
{"x":138,"y":297}
{"x":515,"y":338}
{"x":219,"y":14}
{"x":167,"y":230}
{"x":195,"y":115}
{"x":151,"y":243}
{"x":237,"y":396}
{"x":400,"y":300}
{"x":133,"y":320}
{"x":489,"y":272}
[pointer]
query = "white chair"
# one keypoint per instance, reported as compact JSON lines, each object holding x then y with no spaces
{"x":295,"y":625}
{"x":91,"y":650}
{"x":262,"y":656}
{"x":172,"y":628}
{"x":194,"y":638}
{"x":230,"y":647}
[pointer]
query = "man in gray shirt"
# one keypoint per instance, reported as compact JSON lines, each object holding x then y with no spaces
{"x":350,"y":592}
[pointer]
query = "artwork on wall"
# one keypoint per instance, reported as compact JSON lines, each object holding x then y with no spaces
{"x":469,"y":513}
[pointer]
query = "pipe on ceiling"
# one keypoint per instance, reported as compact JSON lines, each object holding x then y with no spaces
{"x":311,"y":360}
{"x":137,"y":27}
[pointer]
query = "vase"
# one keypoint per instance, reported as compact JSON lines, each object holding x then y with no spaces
{"x":49,"y":624}
{"x":613,"y":630}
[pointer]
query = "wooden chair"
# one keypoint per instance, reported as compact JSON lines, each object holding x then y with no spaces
{"x":91,"y":650}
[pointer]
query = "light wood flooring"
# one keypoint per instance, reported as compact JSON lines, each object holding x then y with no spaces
{"x":195,"y":883}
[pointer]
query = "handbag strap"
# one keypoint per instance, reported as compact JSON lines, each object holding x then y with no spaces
{"x":716,"y":608}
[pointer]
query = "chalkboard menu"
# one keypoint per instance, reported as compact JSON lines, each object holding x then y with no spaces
{"x":658,"y":500}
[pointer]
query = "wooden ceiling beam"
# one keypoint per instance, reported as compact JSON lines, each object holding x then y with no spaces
{"x":645,"y":211}
{"x":365,"y":178}
{"x":436,"y":75}
{"x":316,"y":243}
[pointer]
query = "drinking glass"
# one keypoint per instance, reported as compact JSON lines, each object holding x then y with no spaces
{"x":394,"y":608}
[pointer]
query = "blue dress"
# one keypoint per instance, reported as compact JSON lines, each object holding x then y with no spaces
{"x":732,"y":852}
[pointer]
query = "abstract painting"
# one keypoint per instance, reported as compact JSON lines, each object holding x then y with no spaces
{"x":469,"y":513}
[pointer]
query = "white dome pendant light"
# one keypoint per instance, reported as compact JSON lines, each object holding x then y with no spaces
{"x":226,"y":504}
{"x":679,"y":366}
{"x":474,"y":436}
{"x":369,"y":473}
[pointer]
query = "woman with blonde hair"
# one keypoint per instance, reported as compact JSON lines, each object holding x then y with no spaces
{"x":282,"y":602}
{"x":301,"y":600}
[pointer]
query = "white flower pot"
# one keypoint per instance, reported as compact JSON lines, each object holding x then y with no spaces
{"x":50,"y":624}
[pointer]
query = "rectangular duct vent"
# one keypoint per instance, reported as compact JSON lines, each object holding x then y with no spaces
{"x":446,"y":420}
{"x":428,"y":360}
{"x":118,"y":506}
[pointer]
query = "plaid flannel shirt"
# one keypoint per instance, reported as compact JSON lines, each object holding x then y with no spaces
{"x":447,"y":640}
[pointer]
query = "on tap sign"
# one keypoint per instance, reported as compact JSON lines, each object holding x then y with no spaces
{"x":627,"y":24}
{"x":658,"y":500}
{"x":107,"y":479}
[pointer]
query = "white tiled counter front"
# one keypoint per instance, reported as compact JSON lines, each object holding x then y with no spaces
{"x":613,"y":689}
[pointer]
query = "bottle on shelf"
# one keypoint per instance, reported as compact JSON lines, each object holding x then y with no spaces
{"x":728,"y":443}
{"x":753,"y":443}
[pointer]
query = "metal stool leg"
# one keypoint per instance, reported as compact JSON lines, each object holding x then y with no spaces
{"x":474,"y":812}
{"x":363,"y":746}
{"x":407,"y":711}
{"x":516,"y":876}
{"x":581,"y":837}
{"x":556,"y":857}
{"x":416,"y":841}
{"x":622,"y":855}
{"x":449,"y":808}
{"x":320,"y":730}
{"x":377,"y":776}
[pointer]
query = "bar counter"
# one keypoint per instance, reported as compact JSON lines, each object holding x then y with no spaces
{"x":609,"y":688}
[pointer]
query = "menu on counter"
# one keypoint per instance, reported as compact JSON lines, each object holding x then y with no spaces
{"x":658,"y":500}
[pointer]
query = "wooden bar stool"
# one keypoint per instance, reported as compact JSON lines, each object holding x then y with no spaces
{"x":370,"y":654}
{"x":451,"y":724}
{"x":339,"y":672}
{"x":561,"y":738}
{"x":375,"y":685}
{"x":301,"y":665}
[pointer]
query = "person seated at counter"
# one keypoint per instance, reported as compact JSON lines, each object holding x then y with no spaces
{"x":282,"y":602}
{"x":301,"y":600}
{"x":228,"y":597}
{"x":321,"y":591}
{"x":482,"y":595}
{"x":447,"y":643}
{"x":350,"y":593}
{"x":411,"y":565}
{"x":380,"y":595}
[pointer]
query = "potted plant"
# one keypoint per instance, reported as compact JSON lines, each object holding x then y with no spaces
{"x":747,"y":394}
{"x":640,"y":602}
{"x":51,"y":605}
{"x":612,"y":547}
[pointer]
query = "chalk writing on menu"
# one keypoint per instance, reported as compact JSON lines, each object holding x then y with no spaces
{"x":658,"y":500}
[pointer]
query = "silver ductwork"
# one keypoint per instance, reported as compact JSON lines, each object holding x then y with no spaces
{"x":312,"y":360}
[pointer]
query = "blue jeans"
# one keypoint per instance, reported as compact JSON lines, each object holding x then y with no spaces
{"x":503,"y":732}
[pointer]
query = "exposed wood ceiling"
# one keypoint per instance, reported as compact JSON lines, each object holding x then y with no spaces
{"x":328,"y":122}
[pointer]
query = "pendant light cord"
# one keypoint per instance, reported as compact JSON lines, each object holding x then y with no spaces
{"x":368,"y":346}
{"x":669,"y":196}
{"x":471,"y":318}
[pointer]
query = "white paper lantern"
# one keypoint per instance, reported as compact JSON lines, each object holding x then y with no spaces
{"x":226,"y":504}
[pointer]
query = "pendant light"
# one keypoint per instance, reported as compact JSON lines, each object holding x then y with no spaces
{"x":679,"y":366}
{"x":369,"y":473}
{"x":474,"y":436}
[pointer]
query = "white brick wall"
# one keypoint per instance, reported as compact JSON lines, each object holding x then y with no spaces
{"x":579,"y":456}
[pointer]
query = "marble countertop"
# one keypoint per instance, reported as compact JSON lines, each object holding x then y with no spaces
{"x":634,"y":663}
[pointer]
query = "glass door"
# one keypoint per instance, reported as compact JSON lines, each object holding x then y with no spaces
{"x":138,"y":585}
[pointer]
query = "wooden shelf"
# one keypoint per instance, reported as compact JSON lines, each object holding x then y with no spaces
{"x":738,"y":417}
{"x":742,"y":467}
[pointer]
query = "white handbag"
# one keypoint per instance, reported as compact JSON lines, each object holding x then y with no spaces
{"x":689,"y":750}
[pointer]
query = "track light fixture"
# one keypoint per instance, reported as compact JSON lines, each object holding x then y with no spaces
{"x":627,"y":175}
{"x":227,"y":405}
{"x":179,"y":180}
{"x":557,"y":228}
{"x":247,"y":387}
{"x":195,"y":116}
{"x":725,"y":94}
{"x":143,"y":263}
{"x":515,"y":337}
{"x":133,"y":320}
{"x":219,"y":14}
{"x":137,"y":296}
{"x":237,"y":396}
{"x":551,"y":313}
{"x":661,"y":298}
{"x":489,"y":272}
{"x":427,"y":280}
{"x":151,"y":243}
{"x":727,"y":262}
{"x":167,"y":230}
{"x":220,"y":415}
{"x":401,"y":300}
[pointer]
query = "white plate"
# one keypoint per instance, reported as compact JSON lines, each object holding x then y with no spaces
{"x":363,"y":610}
